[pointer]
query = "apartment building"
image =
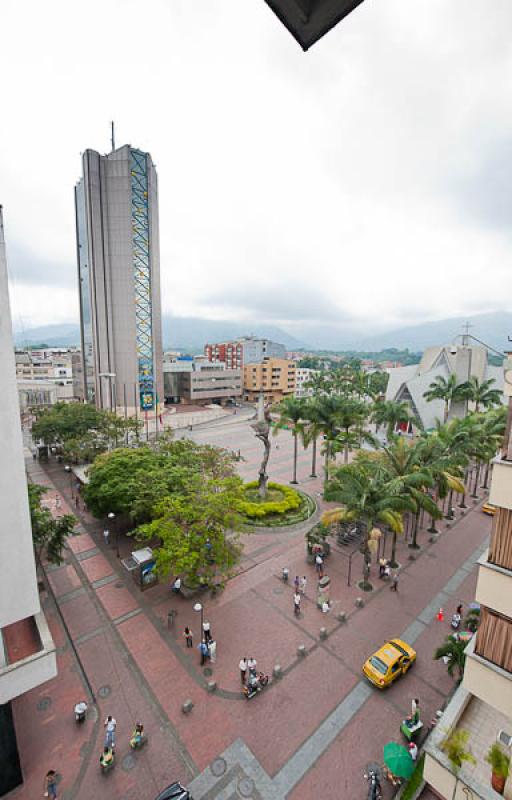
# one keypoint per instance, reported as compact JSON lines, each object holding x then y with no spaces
{"x":245,"y":350}
{"x":274,"y":377}
{"x":482,"y":705}
{"x":303,"y":376}
{"x":27,"y":651}
{"x":44,"y":366}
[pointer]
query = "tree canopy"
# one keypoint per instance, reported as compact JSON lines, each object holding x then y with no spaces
{"x":133,"y":481}
{"x":49,"y":534}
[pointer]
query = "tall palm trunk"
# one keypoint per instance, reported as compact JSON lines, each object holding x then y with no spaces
{"x":414,"y":544}
{"x":462,"y":503}
{"x":393,"y":562}
{"x":486,"y":479}
{"x":345,"y":449}
{"x":477,"y":473}
{"x":294,"y":457}
{"x":446,"y":409}
{"x":313,"y":460}
{"x":449,"y":513}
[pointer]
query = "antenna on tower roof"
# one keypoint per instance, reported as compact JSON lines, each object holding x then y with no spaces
{"x":112,"y":136}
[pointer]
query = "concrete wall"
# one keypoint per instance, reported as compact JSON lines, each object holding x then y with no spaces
{"x":18,"y":588}
{"x":20,"y":677}
{"x":494,"y":587}
{"x":490,"y":683}
{"x":501,"y":485}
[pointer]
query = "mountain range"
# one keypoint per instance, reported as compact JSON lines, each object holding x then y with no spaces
{"x":191,"y":333}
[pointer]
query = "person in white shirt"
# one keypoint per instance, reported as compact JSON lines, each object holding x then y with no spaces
{"x":251,"y":664}
{"x":242,"y":666}
{"x":176,"y":587}
{"x":296,"y":604}
{"x":110,"y":725}
{"x":207,"y":631}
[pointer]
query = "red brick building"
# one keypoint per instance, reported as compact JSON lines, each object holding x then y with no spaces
{"x":230,"y":353}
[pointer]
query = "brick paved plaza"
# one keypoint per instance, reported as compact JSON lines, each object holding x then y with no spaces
{"x":309,"y":734}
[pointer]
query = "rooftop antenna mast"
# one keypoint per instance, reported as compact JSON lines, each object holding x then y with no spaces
{"x":112,"y":136}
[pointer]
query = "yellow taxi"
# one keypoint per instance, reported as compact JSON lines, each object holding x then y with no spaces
{"x":392,"y":660}
{"x":488,"y":508}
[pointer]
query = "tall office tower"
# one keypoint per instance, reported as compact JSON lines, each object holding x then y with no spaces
{"x":118,"y":255}
{"x":27,"y":651}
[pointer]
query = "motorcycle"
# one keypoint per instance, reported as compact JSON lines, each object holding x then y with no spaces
{"x":107,"y":760}
{"x":80,"y":711}
{"x":255,"y":685}
{"x":372,"y":775}
{"x":138,"y":739}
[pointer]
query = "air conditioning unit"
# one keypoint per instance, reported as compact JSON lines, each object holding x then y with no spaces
{"x":504,"y":738}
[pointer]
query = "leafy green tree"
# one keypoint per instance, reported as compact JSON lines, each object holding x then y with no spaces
{"x":446,"y":389}
{"x":292,"y":412}
{"x":453,"y":651}
{"x":132,"y":482}
{"x":81,"y":431}
{"x":49,"y":534}
{"x":196,"y":531}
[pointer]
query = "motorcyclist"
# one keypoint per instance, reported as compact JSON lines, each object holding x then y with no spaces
{"x":107,"y":757}
{"x":137,"y":735}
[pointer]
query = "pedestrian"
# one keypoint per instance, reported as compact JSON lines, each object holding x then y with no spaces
{"x":187,"y":633}
{"x":303,"y":584}
{"x":176,"y":586}
{"x":296,"y":604}
{"x":207,"y":634}
{"x":50,"y":784}
{"x":106,"y":536}
{"x":382,"y":567}
{"x":57,"y":502}
{"x":459,"y":608}
{"x":242,"y":666}
{"x":415,"y":704}
{"x":251,"y":664}
{"x":203,"y":649}
{"x":212,"y":651}
{"x":413,"y":750}
{"x":319,"y":565}
{"x":110,"y":725}
{"x":394,"y":582}
{"x":296,"y":583}
{"x":77,"y":501}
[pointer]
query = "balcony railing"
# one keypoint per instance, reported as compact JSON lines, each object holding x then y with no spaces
{"x":494,"y":639}
{"x":500,"y":550}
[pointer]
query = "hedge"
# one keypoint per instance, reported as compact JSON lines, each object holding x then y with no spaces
{"x":291,"y":500}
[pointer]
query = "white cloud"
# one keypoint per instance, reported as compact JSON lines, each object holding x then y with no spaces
{"x":349,"y":172}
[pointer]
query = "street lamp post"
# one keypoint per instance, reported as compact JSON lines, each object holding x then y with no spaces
{"x":67,"y":469}
{"x":199,"y":608}
{"x":111,"y":517}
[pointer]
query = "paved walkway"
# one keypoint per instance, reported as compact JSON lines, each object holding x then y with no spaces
{"x":308,"y":735}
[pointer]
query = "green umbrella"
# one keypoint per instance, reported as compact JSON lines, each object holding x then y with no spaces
{"x":398,"y":760}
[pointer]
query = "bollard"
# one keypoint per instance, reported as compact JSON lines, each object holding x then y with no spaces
{"x":359,"y":602}
{"x":448,"y":524}
{"x":187,"y":706}
{"x":277,"y":672}
{"x":341,"y":616}
{"x":301,"y":650}
{"x":211,"y":686}
{"x":323,"y":633}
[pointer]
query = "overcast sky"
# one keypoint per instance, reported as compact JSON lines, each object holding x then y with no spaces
{"x":367,"y":182}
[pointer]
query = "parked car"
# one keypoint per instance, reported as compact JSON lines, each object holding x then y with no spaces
{"x":175,"y":792}
{"x":389,"y":662}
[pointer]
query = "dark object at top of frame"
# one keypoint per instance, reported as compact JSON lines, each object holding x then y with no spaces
{"x":309,"y":20}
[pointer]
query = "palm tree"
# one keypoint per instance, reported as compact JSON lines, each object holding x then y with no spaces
{"x":444,"y":454}
{"x":292,"y":412}
{"x":390,"y":413}
{"x":445,"y":389}
{"x":367,"y":499}
{"x":481,"y":394}
{"x":453,"y":651}
{"x":312,"y":430}
{"x":351,"y":414}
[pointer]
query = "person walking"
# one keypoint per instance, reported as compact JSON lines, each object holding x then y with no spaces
{"x":319,"y":565}
{"x":203,"y":649}
{"x":394,"y":582}
{"x":106,"y":536}
{"x":242,"y":666}
{"x":296,"y":604}
{"x":110,"y":726}
{"x":459,"y":608}
{"x":187,"y":633}
{"x":303,"y":584}
{"x":50,"y":784}
{"x":207,"y":633}
{"x":57,"y":503}
{"x":296,"y":583}
{"x":251,"y":664}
